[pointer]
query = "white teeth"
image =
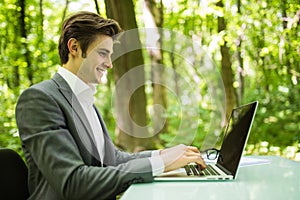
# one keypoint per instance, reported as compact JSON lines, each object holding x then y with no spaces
{"x":101,"y":70}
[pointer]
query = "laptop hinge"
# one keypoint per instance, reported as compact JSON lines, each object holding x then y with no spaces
{"x":223,"y":169}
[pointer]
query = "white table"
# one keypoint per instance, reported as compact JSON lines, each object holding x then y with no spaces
{"x":279,"y":179}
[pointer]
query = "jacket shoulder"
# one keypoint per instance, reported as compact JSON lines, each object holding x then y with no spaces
{"x":49,"y":86}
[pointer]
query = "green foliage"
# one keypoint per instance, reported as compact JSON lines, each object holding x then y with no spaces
{"x":267,"y":31}
{"x":27,"y":55}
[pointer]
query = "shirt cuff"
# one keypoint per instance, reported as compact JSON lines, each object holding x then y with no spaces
{"x":157,"y":165}
{"x":155,"y":153}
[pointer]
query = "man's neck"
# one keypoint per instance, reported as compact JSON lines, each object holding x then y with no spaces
{"x":71,"y":68}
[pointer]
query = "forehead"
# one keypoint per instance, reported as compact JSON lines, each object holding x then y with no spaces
{"x":102,"y":41}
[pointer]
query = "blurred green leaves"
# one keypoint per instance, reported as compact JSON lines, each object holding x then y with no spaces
{"x":268,"y":32}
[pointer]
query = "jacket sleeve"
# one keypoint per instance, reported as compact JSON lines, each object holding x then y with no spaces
{"x":123,"y":157}
{"x":53,"y":151}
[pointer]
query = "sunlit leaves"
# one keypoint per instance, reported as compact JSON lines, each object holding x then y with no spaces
{"x":270,"y":51}
{"x":268,"y":32}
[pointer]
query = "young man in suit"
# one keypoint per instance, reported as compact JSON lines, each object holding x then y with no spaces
{"x":66,"y":144}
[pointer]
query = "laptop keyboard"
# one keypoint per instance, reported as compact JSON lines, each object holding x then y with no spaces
{"x":193,"y":170}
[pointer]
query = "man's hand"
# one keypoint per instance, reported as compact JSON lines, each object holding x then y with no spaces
{"x":181,"y":155}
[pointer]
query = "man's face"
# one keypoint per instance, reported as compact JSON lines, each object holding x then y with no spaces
{"x":94,"y":66}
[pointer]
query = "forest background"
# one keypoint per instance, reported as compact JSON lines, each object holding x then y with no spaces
{"x":253,"y":46}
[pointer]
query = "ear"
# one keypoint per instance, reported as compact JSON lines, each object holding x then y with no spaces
{"x":73,"y":46}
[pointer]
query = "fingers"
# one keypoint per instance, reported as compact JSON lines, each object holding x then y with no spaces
{"x":196,"y":158}
{"x":180,"y":155}
{"x":192,"y":153}
{"x":194,"y":149}
{"x":200,"y":163}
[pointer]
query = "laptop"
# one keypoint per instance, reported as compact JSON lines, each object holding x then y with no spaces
{"x":235,"y":138}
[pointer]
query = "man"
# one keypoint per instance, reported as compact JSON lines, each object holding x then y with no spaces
{"x":66,"y":144}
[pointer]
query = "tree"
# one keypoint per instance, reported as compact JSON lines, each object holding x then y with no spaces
{"x":240,"y":68}
{"x":227,"y":73}
{"x":254,"y":44}
{"x":153,"y":17}
{"x":132,"y":133}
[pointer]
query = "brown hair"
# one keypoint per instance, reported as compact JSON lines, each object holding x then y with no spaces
{"x":84,"y":26}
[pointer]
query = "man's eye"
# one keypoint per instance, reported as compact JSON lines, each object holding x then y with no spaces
{"x":103,"y":54}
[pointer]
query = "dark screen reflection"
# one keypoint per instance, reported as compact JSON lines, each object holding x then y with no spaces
{"x":236,"y":136}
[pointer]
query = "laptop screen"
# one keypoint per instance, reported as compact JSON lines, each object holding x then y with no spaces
{"x":236,"y":135}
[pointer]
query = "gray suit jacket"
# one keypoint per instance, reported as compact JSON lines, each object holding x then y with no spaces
{"x":60,"y":151}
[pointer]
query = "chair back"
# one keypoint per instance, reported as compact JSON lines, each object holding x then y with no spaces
{"x":13,"y":176}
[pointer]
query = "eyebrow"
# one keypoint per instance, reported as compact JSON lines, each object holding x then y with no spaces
{"x":106,"y":50}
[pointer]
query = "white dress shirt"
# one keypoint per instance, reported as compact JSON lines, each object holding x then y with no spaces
{"x":85,"y":95}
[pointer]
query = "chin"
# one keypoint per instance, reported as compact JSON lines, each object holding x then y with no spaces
{"x":99,"y":81}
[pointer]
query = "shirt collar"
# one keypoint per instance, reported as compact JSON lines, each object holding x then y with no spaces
{"x":78,"y":87}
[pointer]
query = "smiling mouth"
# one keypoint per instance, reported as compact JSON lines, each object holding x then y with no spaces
{"x":101,"y":70}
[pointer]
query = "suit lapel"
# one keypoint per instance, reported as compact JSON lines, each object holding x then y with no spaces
{"x":65,"y":89}
{"x":109,"y":154}
{"x":79,"y":117}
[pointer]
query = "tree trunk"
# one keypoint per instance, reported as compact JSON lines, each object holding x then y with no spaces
{"x":227,"y":73}
{"x":24,"y":35}
{"x":240,"y":68}
{"x":97,"y":6}
{"x":67,"y":2}
{"x":131,"y":132}
{"x":153,"y":17}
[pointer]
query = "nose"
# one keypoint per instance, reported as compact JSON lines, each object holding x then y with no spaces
{"x":108,"y":63}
